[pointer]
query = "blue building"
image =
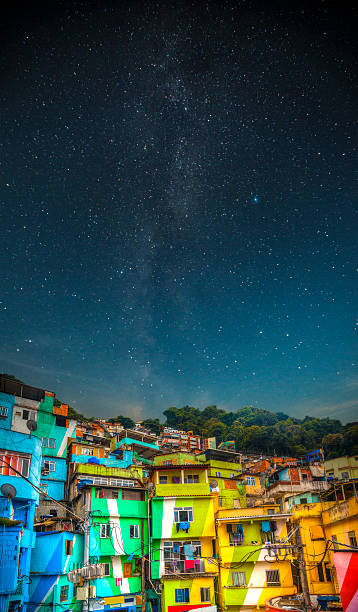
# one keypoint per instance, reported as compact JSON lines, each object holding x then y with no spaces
{"x":22,"y":453}
{"x":53,"y":476}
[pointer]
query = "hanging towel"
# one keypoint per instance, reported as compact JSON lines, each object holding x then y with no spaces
{"x":184,"y":526}
{"x":178,"y":527}
{"x":197,"y":565}
{"x":189,"y":564}
{"x":240,"y":530}
{"x":176,"y":547}
{"x":265,"y":526}
{"x":189,"y":551}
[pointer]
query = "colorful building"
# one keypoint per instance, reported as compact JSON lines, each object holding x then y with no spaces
{"x":225,"y":478}
{"x":249,"y":573}
{"x":342,"y":468}
{"x":55,"y":553}
{"x":183,"y":551}
{"x":21,"y":453}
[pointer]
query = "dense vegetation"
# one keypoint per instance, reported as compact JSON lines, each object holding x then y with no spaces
{"x":253,"y":429}
{"x":260,"y":431}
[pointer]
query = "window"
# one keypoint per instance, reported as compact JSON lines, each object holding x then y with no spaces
{"x":87,"y":451}
{"x":127,"y":570}
{"x":181,"y":595}
{"x":218,"y":474}
{"x":64,"y":593}
{"x":118,"y":482}
{"x":163,"y":479}
{"x":167,"y":463}
{"x":183,"y":515}
{"x":205,"y":594}
{"x":4,"y":411}
{"x":304,"y":476}
{"x":237,"y":503}
{"x":220,"y":502}
{"x":238,"y":579}
{"x":106,"y":494}
{"x":232,"y":475}
{"x":68,"y":547}
{"x":271,"y":511}
{"x":50,"y":466}
{"x":100,"y":481}
{"x":328,"y":572}
{"x":16,"y":461}
{"x":107,"y":569}
{"x":191,"y":478}
{"x":273,"y":578}
{"x":44,"y":489}
{"x":61,"y":421}
{"x":303,"y":500}
{"x":320,"y":572}
{"x":134,"y":531}
{"x":175,"y":549}
{"x":250,"y":481}
{"x":133,"y":495}
{"x":48,"y":442}
{"x":25,"y":415}
{"x":345,"y":475}
{"x":352,"y":538}
{"x":105,"y":530}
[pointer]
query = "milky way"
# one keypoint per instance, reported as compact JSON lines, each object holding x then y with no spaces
{"x":178,"y":206}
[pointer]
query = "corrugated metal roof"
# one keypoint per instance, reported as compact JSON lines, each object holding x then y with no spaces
{"x":269,"y":517}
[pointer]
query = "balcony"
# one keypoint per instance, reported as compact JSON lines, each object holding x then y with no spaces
{"x":174,"y":568}
{"x":182,"y":490}
{"x":101,"y":470}
{"x":286,"y":486}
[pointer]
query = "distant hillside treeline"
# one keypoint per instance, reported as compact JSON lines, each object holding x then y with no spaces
{"x":254,"y":430}
{"x":260,"y":431}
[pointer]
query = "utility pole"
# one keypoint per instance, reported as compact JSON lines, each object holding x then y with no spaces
{"x":302,"y":570}
{"x":143,"y":568}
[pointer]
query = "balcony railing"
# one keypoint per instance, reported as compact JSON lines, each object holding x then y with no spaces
{"x":175,"y":566}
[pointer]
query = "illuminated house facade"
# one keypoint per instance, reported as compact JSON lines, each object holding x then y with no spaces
{"x":248,"y":577}
{"x":183,"y":534}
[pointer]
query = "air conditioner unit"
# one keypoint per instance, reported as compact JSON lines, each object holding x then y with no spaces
{"x":92,"y":591}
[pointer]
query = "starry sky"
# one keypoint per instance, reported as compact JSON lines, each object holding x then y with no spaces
{"x":179,"y":205}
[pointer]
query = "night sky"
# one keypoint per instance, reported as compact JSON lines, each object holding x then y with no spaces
{"x":179,"y":207}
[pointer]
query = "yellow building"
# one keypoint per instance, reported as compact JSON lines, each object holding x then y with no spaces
{"x":248,"y":575}
{"x":342,"y":468}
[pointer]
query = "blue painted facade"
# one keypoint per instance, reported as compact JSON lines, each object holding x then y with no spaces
{"x":111,"y":461}
{"x":6,"y":401}
{"x":55,"y":477}
{"x":50,"y":565}
{"x":308,"y":498}
{"x":17,"y":541}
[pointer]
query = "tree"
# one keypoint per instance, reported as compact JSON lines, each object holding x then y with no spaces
{"x":154,"y":425}
{"x":125,"y":421}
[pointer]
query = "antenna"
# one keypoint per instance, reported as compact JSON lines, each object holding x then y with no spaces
{"x":8,"y":491}
{"x":31,"y":426}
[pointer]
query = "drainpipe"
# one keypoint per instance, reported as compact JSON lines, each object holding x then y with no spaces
{"x":87,"y":529}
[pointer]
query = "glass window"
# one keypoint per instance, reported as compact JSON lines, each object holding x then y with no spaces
{"x":304,"y":476}
{"x":345,"y":475}
{"x":25,"y":415}
{"x":320,"y":572}
{"x":163,"y":479}
{"x":68,"y":547}
{"x":105,"y":530}
{"x":238,"y":579}
{"x":183,"y":515}
{"x":3,"y":411}
{"x":134,"y":531}
{"x":87,"y":451}
{"x":48,"y":442}
{"x":218,"y":474}
{"x":273,"y":578}
{"x":328,"y":572}
{"x":50,"y":465}
{"x":205,"y":594}
{"x":133,"y":495}
{"x":107,"y":569}
{"x":352,"y":538}
{"x":64,"y":593}
{"x":191,"y":478}
{"x":181,"y":595}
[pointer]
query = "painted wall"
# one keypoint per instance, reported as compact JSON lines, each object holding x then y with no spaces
{"x":55,"y":480}
{"x":14,"y":441}
{"x":335,"y":467}
{"x":193,"y":585}
{"x":49,"y":567}
{"x":7,"y":401}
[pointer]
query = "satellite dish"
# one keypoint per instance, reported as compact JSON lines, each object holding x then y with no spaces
{"x":8,"y":491}
{"x":31,"y":425}
{"x":214,"y":484}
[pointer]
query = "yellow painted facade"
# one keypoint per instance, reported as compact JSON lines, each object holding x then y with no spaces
{"x":342,"y":468}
